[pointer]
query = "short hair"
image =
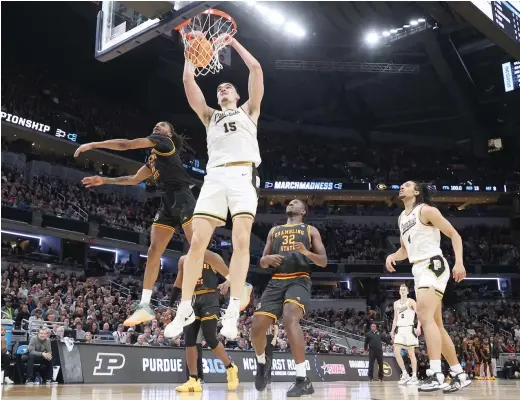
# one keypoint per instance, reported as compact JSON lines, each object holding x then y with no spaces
{"x":403,"y":284}
{"x":172,"y":129}
{"x":305,"y":205}
{"x":229,"y":83}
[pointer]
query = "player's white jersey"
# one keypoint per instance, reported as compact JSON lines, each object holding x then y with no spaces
{"x":232,"y":137}
{"x":405,"y":313}
{"x":421,"y":241}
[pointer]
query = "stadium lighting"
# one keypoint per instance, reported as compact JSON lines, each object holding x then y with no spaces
{"x":386,"y":33}
{"x":276,"y":18}
{"x":145,"y":256}
{"x":414,"y":23}
{"x":294,"y":29}
{"x":406,"y":26}
{"x":421,"y":20}
{"x":261,"y":9}
{"x":24,"y":235}
{"x":108,"y":250}
{"x":372,"y":38}
{"x":393,"y":31}
{"x":250,"y":2}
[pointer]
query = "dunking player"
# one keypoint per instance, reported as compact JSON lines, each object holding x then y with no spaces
{"x":288,"y":250}
{"x":405,"y":336}
{"x":207,"y":308}
{"x":177,"y":201}
{"x":420,"y":225}
{"x":232,"y":182}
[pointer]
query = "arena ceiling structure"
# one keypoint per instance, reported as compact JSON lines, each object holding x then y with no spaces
{"x":442,"y":78}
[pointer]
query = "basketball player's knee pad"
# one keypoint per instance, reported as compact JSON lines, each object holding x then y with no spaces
{"x":190,"y":334}
{"x":209,"y":329}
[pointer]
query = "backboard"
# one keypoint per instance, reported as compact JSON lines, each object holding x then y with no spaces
{"x":124,"y":25}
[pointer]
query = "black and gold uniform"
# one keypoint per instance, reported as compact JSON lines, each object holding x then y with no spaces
{"x":177,"y":200}
{"x":206,"y":297}
{"x":206,"y":307}
{"x":291,"y":281}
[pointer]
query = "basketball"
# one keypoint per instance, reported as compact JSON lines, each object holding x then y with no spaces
{"x":199,"y":51}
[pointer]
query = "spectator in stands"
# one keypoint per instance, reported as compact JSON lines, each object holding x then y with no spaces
{"x":120,"y":334}
{"x":141,"y":341}
{"x":106,"y":330}
{"x":161,"y":341}
{"x":60,"y":332}
{"x":79,"y":333}
{"x":88,"y":337}
{"x":37,"y":315}
{"x":511,"y":367}
{"x":148,"y":335}
{"x":40,"y":352}
{"x":7,"y":309}
{"x":23,"y":313}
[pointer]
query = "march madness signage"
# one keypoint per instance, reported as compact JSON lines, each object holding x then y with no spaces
{"x":132,"y":364}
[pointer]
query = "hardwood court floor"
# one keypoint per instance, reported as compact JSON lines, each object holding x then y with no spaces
{"x":503,"y":390}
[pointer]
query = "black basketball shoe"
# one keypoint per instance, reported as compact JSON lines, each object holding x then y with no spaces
{"x":262,"y":371}
{"x":302,"y":387}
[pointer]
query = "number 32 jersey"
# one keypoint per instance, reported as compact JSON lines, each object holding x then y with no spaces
{"x":232,"y":137}
{"x":421,"y":241}
{"x":283,"y":240}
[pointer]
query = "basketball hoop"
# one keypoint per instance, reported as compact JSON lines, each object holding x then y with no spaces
{"x":204,"y":36}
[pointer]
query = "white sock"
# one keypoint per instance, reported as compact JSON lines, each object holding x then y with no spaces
{"x":146,"y":296}
{"x":301,"y":371}
{"x":234,"y":304}
{"x":260,"y":358}
{"x":185,"y":308}
{"x":435,"y":365}
{"x":457,"y":368}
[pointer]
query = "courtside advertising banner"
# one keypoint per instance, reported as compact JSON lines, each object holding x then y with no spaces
{"x":133,"y":364}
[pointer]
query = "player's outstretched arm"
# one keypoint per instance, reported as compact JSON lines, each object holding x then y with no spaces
{"x":256,"y":79}
{"x":141,"y":175}
{"x":195,"y":96}
{"x":116,"y":144}
{"x":269,"y":259}
{"x":433,"y":215}
{"x":319,"y":256}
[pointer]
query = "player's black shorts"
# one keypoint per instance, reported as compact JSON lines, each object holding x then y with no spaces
{"x":280,"y":291}
{"x":176,"y":208}
{"x":206,"y":305}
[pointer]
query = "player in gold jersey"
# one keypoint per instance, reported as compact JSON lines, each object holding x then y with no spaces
{"x":290,"y":249}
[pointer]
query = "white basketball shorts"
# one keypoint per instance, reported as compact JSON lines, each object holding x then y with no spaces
{"x":405,"y":336}
{"x":433,"y":272}
{"x":235,"y":188}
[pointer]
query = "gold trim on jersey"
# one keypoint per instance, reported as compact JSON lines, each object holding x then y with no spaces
{"x":208,"y":318}
{"x":295,"y":302}
{"x":204,"y":291}
{"x":429,"y":223}
{"x":209,"y":216}
{"x":292,"y":275}
{"x":267,"y":314}
{"x":310,"y":236}
{"x":411,"y":211}
{"x":248,"y":116}
{"x":243,"y":214}
{"x":290,"y":225}
{"x":187,"y":222}
{"x":164,"y":226}
{"x":166,"y":154}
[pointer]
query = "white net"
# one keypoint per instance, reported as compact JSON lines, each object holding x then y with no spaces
{"x":204,"y":36}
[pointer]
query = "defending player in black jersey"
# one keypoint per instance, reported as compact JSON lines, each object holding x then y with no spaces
{"x":177,"y":201}
{"x":206,"y":307}
{"x":290,"y":249}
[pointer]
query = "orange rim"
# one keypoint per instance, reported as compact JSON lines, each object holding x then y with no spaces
{"x":212,"y":11}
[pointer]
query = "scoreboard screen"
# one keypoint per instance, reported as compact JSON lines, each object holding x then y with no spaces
{"x":511,"y":72}
{"x":504,"y":14}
